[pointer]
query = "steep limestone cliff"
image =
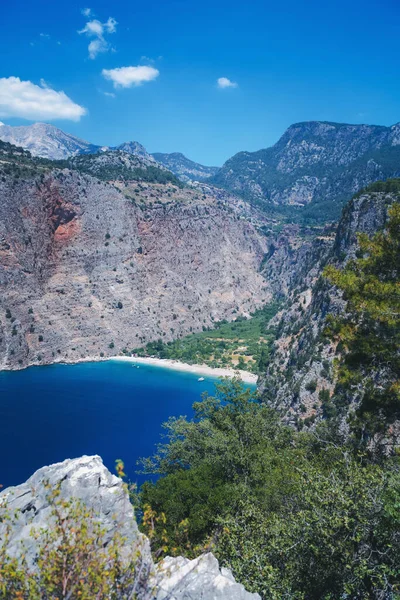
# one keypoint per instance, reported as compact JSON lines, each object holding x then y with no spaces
{"x":300,"y":378}
{"x":89,"y":268}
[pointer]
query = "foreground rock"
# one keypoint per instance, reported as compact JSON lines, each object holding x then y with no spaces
{"x":88,"y":479}
{"x":85,"y":478}
{"x":183,"y":579}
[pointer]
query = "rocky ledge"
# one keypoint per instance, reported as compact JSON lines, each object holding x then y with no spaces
{"x":89,"y":480}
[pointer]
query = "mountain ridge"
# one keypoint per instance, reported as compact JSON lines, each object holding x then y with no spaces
{"x":315,"y":166}
{"x":48,"y":141}
{"x":184,"y":168}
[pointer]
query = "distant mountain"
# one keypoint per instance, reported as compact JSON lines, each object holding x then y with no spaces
{"x":134,"y":148}
{"x":314,"y":167}
{"x":47,"y":141}
{"x":184,"y":168}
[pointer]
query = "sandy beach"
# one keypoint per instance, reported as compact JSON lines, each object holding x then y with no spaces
{"x":201,"y":370}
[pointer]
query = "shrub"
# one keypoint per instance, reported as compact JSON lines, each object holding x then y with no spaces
{"x":75,"y":558}
{"x":311,"y":386}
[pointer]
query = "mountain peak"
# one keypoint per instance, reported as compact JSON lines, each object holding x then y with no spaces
{"x":45,"y":140}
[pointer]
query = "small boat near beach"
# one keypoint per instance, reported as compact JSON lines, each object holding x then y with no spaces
{"x":200,"y":379}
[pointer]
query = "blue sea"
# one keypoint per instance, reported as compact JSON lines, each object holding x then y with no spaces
{"x":108,"y":408}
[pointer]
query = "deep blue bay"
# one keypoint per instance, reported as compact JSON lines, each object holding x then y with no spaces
{"x":108,"y":408}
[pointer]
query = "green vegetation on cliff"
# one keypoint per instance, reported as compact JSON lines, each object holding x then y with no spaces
{"x":109,"y":166}
{"x":369,"y":332}
{"x":244,"y":343}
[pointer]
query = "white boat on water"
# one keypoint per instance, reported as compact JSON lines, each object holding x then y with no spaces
{"x":200,"y":379}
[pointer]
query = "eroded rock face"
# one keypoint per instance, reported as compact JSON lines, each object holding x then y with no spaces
{"x":88,"y":479}
{"x":302,"y":364}
{"x":87,"y":270}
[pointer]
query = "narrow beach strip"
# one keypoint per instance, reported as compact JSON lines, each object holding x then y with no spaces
{"x":202,"y":370}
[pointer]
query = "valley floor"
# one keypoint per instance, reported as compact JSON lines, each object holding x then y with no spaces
{"x":201,"y":370}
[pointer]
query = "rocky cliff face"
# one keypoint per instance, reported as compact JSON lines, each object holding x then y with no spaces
{"x":89,"y":268}
{"x":87,"y":479}
{"x":184,"y":168}
{"x":302,"y":362}
{"x":315,"y":166}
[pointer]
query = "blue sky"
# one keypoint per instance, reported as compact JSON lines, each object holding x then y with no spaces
{"x":290,"y":60}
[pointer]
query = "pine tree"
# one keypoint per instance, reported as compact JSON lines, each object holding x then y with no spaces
{"x":369,"y":332}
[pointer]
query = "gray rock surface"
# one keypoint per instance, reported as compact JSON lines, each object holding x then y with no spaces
{"x":301,"y":356}
{"x":42,"y":139}
{"x":89,"y":268}
{"x":201,"y":578}
{"x":88,"y":479}
{"x":85,"y":478}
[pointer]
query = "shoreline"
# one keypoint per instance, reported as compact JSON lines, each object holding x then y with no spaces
{"x":166,"y":363}
{"x":177,"y":365}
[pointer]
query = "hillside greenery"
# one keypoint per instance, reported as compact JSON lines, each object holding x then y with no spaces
{"x":244,"y":343}
{"x":243,"y":175}
{"x":310,"y":515}
{"x":294,"y":515}
{"x":118,"y":166}
{"x":390,"y":186}
{"x":111,"y":166}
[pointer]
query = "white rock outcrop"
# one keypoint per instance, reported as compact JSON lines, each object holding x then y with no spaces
{"x":88,"y":479}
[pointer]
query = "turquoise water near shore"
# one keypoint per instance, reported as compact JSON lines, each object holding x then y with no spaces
{"x":108,"y":408}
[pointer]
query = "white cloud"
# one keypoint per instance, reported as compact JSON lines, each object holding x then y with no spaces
{"x":109,"y":94}
{"x":87,"y":12}
{"x":97,"y":46}
{"x":111,"y":25}
{"x":26,"y":100}
{"x":148,"y":60}
{"x":44,"y":35}
{"x":224,"y":82}
{"x":97,"y":30}
{"x":127,"y":77}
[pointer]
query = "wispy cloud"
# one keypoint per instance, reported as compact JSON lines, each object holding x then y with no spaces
{"x":97,"y":30}
{"x":126,"y":77}
{"x":27,"y":100}
{"x":109,"y":94}
{"x":224,"y":82}
{"x":87,"y":12}
{"x":44,"y":38}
